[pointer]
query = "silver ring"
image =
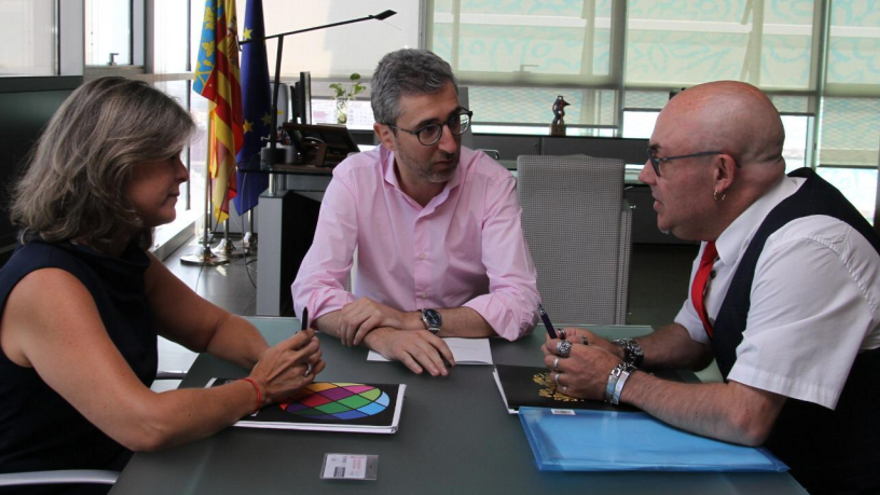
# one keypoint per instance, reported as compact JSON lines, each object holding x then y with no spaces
{"x":563,"y":348}
{"x":565,"y":390}
{"x":556,"y":378}
{"x":308,"y":369}
{"x":561,"y":333}
{"x":556,"y":364}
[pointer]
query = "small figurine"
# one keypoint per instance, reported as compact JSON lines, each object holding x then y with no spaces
{"x":559,"y":110}
{"x":557,"y":127}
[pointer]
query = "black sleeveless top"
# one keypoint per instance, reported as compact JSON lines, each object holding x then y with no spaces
{"x":828,"y":451}
{"x":39,"y":430}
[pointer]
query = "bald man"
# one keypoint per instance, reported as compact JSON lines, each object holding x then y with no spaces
{"x":787,"y":300}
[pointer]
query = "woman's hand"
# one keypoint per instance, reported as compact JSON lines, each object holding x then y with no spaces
{"x":287,"y":367}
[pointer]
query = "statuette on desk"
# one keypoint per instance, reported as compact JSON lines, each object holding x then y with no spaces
{"x":557,"y":127}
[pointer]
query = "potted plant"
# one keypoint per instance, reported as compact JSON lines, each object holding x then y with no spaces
{"x":345,"y":92}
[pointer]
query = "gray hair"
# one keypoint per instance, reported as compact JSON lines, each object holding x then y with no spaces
{"x":74,"y":186}
{"x":406,"y":72}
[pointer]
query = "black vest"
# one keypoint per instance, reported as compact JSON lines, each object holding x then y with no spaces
{"x":828,"y":451}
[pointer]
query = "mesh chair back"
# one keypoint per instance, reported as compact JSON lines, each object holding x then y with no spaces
{"x":578,"y":228}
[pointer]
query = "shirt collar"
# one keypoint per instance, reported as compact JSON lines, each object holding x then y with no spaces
{"x":387,"y":159}
{"x":737,"y":236}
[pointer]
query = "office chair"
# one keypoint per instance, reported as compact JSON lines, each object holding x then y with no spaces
{"x":74,"y":476}
{"x":578,"y":228}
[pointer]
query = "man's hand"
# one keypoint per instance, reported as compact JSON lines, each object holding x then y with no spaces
{"x":365,"y":315}
{"x":578,"y":335}
{"x":584,"y":373}
{"x":418,"y":350}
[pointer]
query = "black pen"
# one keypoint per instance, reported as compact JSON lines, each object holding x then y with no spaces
{"x":549,"y":326}
{"x":305,"y":319}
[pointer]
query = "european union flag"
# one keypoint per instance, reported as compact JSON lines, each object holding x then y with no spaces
{"x":257,"y":96}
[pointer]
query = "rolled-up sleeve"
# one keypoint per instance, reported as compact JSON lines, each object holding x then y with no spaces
{"x":320,"y":282}
{"x":511,"y":306}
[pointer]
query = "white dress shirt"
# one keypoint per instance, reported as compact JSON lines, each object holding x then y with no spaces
{"x":815,"y":301}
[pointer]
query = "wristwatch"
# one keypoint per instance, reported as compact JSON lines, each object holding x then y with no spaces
{"x":432,"y":320}
{"x":632,"y":352}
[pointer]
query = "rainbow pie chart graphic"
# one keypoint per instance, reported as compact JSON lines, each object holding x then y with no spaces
{"x":338,"y":401}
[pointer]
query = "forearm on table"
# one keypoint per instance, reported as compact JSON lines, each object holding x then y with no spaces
{"x":237,"y":341}
{"x":464,"y":322}
{"x":329,"y":323}
{"x":180,"y":416}
{"x":671,"y":347}
{"x":726,"y":411}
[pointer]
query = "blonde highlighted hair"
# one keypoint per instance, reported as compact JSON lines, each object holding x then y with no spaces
{"x":74,"y":185}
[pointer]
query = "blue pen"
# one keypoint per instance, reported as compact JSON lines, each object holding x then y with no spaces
{"x":549,"y":326}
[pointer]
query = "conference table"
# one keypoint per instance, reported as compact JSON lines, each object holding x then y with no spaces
{"x":456,"y":437}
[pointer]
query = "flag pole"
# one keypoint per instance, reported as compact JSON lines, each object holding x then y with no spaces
{"x":206,"y":257}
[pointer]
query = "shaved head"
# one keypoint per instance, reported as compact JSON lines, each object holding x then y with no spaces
{"x":724,"y":142}
{"x":731,"y":116}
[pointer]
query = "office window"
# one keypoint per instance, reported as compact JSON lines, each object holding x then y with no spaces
{"x":108,"y":32}
{"x":768,"y":44}
{"x":524,"y":42}
{"x":332,"y":53}
{"x":859,"y":185}
{"x":171,"y":35}
{"x":850,"y":133}
{"x":854,"y":46}
{"x":27,"y":35}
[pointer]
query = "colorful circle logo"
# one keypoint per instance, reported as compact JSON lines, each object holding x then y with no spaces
{"x":338,"y":401}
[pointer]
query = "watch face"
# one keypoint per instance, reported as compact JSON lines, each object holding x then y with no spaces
{"x":432,"y":318}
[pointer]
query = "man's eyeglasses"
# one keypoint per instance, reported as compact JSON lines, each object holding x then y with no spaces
{"x":656,"y":160}
{"x":431,"y":133}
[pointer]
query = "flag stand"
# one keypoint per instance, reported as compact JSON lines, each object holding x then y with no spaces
{"x":206,"y":257}
{"x":226,"y":248}
{"x":249,"y":241}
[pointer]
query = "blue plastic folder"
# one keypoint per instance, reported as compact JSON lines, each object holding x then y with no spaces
{"x":586,"y":440}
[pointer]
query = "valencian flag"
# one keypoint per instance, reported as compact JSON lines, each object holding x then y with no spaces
{"x":257,"y":107}
{"x":217,"y":79}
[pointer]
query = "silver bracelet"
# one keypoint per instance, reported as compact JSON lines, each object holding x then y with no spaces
{"x":618,"y":387}
{"x":613,"y":378}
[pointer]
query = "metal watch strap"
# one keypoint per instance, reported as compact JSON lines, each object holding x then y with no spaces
{"x":632,"y":351}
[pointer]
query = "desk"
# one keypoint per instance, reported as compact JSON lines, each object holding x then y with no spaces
{"x":455,"y":438}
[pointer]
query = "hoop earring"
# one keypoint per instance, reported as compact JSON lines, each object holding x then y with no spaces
{"x":717,"y":199}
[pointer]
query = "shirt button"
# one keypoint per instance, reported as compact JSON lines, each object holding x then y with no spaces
{"x":422,"y":256}
{"x":423,"y":295}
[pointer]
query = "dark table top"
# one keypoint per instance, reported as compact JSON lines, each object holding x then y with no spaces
{"x":455,"y":437}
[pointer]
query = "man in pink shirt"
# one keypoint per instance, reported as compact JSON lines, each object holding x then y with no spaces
{"x":440,"y":247}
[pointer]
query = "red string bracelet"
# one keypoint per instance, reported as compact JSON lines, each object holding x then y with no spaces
{"x":259,"y":393}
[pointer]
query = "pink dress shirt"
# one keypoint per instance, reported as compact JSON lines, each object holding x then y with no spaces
{"x":464,"y":248}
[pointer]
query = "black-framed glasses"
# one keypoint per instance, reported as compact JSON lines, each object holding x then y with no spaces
{"x":458,"y":124}
{"x":657,"y":160}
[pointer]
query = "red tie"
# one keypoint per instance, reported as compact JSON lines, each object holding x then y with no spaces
{"x":698,"y":289}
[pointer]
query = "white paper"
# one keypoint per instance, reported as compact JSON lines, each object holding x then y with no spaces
{"x":464,"y":351}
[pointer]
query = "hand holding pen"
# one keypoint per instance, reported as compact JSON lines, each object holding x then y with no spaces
{"x":551,"y":330}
